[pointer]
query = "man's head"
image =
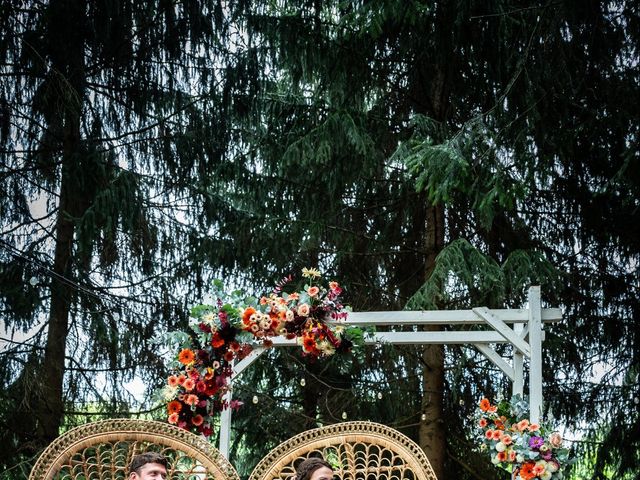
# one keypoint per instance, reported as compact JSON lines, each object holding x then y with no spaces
{"x":148,"y":466}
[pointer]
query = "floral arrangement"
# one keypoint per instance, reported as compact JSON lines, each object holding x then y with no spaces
{"x":531,"y":450}
{"x":229,"y":329}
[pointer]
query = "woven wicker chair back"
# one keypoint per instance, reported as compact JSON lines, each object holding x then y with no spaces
{"x":103,"y":450}
{"x":358,"y":451}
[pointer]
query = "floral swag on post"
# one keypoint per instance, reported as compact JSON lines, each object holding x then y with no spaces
{"x":530,"y":450}
{"x":227,"y":331}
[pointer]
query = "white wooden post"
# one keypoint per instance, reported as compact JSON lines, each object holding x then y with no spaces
{"x":225,"y":415}
{"x":535,"y":362}
{"x":225,"y":426}
{"x":517,"y":387}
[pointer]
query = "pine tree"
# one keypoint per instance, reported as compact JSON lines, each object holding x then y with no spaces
{"x":113,"y":124}
{"x":509,"y":117}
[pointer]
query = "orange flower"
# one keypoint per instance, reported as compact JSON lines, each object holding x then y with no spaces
{"x":186,"y":356}
{"x":526,"y":471}
{"x":485,"y":404}
{"x":174,"y":407}
{"x":489,"y":434}
{"x":172,"y":381}
{"x":308,"y":343}
{"x":181,"y":379}
{"x":246,"y":316}
{"x":534,"y":427}
{"x":506,"y":439}
{"x":313,"y":291}
{"x":497,"y":435}
{"x":191,"y":399}
{"x":333,"y":285}
{"x":482,"y":422}
{"x":173,"y":418}
{"x":293,"y":296}
{"x":197,"y":420}
{"x":523,"y":424}
{"x":502,"y":456}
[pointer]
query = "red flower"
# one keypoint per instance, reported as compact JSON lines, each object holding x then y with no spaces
{"x":174,"y":407}
{"x":216,"y":340}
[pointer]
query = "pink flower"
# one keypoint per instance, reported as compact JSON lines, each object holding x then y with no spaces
{"x":189,"y":384}
{"x":303,"y":310}
{"x":173,"y":381}
{"x":534,"y":427}
{"x":334,"y":285}
{"x":506,"y":439}
{"x":313,"y":291}
{"x":555,"y":440}
{"x":173,"y":418}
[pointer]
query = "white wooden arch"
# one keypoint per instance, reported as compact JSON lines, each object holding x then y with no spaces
{"x":522,"y":328}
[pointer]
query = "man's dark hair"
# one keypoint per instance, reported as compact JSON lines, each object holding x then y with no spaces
{"x":140,"y":460}
{"x":310,"y":465}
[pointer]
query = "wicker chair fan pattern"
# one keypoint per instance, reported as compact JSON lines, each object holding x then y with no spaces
{"x":361,"y":451}
{"x":103,"y":450}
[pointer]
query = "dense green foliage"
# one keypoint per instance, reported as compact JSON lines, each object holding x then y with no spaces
{"x":429,"y":154}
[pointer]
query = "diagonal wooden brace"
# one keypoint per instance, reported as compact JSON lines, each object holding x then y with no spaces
{"x":497,"y":360}
{"x":504,"y":330}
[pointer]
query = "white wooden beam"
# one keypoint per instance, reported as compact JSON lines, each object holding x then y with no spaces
{"x":444,"y":317}
{"x":503,"y":329}
{"x":419,"y":338}
{"x":239,"y":367}
{"x":497,"y":360}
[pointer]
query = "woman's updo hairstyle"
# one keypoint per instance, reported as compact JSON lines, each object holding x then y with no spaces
{"x":310,"y":465}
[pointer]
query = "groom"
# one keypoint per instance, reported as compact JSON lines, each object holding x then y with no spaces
{"x":148,"y":466}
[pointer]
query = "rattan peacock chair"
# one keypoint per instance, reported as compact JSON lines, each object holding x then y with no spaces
{"x":358,"y":451}
{"x":103,"y":450}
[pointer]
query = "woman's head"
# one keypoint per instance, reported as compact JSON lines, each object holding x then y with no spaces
{"x":314,"y":469}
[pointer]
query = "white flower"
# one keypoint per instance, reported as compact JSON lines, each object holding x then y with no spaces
{"x":546,"y":475}
{"x":500,"y":447}
{"x":495,"y":460}
{"x":520,"y":458}
{"x":326,"y":347}
{"x":169,"y":393}
{"x":208,"y":319}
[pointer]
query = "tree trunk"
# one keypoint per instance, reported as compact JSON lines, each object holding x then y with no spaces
{"x":432,"y":434}
{"x":67,"y":71}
